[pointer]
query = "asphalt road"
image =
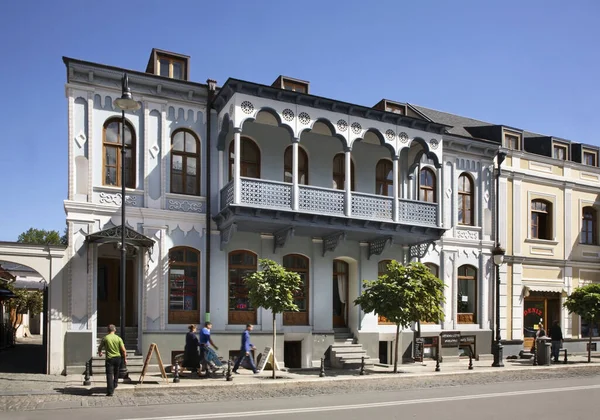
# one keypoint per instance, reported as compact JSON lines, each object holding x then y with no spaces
{"x":571,"y":398}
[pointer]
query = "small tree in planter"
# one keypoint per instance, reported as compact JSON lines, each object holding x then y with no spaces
{"x":585,"y":302}
{"x":273,"y":288}
{"x":403,"y":295}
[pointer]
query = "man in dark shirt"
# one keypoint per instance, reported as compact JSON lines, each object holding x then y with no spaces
{"x":557,"y":339}
{"x":245,"y":349}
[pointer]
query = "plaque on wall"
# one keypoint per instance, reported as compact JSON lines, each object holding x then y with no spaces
{"x":450,"y":339}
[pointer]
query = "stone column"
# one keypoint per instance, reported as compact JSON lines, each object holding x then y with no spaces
{"x":348,"y":181}
{"x":295,"y":181}
{"x":237,"y":194}
{"x":396,"y":187}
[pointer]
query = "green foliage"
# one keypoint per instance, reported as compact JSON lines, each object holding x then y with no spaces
{"x":24,"y":301}
{"x":273,"y":287}
{"x":585,"y":302}
{"x":405,"y":294}
{"x":40,"y":237}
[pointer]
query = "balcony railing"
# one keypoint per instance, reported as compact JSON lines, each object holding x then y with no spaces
{"x":279,"y":195}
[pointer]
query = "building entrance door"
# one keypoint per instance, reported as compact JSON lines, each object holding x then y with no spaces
{"x":340,"y":294}
{"x":539,"y":307}
{"x":109,"y":293}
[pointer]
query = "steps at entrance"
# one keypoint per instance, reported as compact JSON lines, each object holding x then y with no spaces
{"x":346,"y":353}
{"x":131,"y":338}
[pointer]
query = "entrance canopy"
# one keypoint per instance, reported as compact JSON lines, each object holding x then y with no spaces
{"x":113,"y":235}
{"x":558,"y":288}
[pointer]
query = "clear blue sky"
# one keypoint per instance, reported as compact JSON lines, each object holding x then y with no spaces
{"x":528,"y":64}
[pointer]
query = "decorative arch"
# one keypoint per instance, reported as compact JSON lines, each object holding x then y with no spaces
{"x":185,"y":162}
{"x":241,"y":263}
{"x":250,"y":158}
{"x":330,"y":126}
{"x":425,"y":150}
{"x":111,"y":153}
{"x":299,"y":264}
{"x":254,"y":115}
{"x":466,"y":191}
{"x":380,"y":137}
{"x":427,"y":185}
{"x":184,"y":285}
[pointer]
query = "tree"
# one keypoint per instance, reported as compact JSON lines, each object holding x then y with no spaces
{"x":585,"y":302}
{"x":25,"y":301}
{"x":403,"y":295}
{"x":273,"y":288}
{"x":40,"y":237}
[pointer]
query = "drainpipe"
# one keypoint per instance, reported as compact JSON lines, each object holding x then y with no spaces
{"x":212,"y":85}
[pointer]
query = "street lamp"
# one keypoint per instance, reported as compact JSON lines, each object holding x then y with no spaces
{"x":498,"y":255}
{"x":124,"y":103}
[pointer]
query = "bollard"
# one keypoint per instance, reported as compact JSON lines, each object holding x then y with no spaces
{"x":228,"y":376}
{"x":470,"y":361}
{"x":322,"y":372}
{"x":86,"y":378}
{"x":565,"y":361}
{"x":535,"y":363}
{"x":176,"y":376}
{"x":437,"y":363}
{"x":362,"y":366}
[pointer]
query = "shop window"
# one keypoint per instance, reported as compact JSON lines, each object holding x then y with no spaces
{"x":467,"y":295}
{"x":427,"y":186}
{"x":241,"y":265}
{"x":384,"y":178}
{"x":302,"y":165}
{"x":112,"y":143}
{"x":588,"y":226}
{"x":184,"y":282}
{"x":185,"y":163}
{"x":339,"y":172}
{"x":465,"y":200}
{"x":298,"y":264}
{"x":250,"y":159}
{"x":541,"y":219}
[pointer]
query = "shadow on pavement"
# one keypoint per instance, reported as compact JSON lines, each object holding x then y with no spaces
{"x":24,"y":357}
{"x":99,"y":391}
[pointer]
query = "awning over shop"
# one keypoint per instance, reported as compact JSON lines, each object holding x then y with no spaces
{"x":113,"y":235}
{"x":558,"y":288}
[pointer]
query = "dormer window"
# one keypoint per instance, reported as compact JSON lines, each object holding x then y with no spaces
{"x":395,"y":108}
{"x":560,"y":151}
{"x":287,"y":83}
{"x":511,"y":142}
{"x":173,"y":68}
{"x":589,"y":158}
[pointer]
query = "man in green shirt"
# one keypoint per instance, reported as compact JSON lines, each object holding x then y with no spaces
{"x":115,"y":355}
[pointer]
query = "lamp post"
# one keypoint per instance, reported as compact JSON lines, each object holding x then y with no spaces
{"x":124,"y":103}
{"x":498,"y":255}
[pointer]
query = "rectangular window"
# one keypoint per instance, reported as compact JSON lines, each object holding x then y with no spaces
{"x":586,"y":328}
{"x":511,"y":142}
{"x":396,"y":109}
{"x":559,"y":152}
{"x":183,"y":286}
{"x":589,"y":158}
{"x":294,"y":87}
{"x":171,"y":67}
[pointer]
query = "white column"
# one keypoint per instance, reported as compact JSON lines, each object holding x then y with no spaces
{"x":517,"y":215}
{"x":396,"y":186}
{"x":484,"y":294}
{"x":221,"y":177}
{"x":237,"y":191}
{"x":348,"y":181}
{"x":438,"y":192}
{"x":295,"y":188}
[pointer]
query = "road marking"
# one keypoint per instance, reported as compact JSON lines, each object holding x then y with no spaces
{"x":366,"y":405}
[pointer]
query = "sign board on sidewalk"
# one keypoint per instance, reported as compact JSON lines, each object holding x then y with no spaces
{"x":419,"y":345}
{"x":265,"y":360}
{"x":153,"y":348}
{"x":450,"y":339}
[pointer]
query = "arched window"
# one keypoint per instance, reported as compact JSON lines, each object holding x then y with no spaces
{"x":300,"y":265}
{"x":467,"y":295}
{"x":339,"y":172}
{"x":384,"y":178}
{"x":112,"y":144}
{"x":184,"y":285}
{"x":381,"y":270}
{"x":250,"y":159}
{"x":541,"y":219}
{"x":427,"y":186}
{"x":185,"y":163}
{"x":241,"y":264}
{"x":435,"y":270}
{"x":465,"y":200}
{"x":302,"y":165}
{"x":588,"y":226}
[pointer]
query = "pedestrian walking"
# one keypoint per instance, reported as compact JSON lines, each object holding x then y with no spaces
{"x":245,"y":349}
{"x":205,"y":340}
{"x":115,"y":355}
{"x":191,"y":357}
{"x":557,"y":339}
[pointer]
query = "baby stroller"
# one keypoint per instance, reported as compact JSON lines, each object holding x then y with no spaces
{"x":215,"y":363}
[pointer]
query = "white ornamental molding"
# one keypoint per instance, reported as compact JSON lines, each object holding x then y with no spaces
{"x":185,"y":206}
{"x":80,"y":139}
{"x":154,"y":151}
{"x":116,"y":199}
{"x":471,"y":235}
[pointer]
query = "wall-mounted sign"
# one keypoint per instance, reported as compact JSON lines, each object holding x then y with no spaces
{"x":450,"y":338}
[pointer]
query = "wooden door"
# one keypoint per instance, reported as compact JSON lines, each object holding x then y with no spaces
{"x":544,"y":307}
{"x":340,"y":292}
{"x":109,"y":293}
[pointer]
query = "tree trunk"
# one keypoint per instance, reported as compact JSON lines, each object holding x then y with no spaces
{"x":396,"y":349}
{"x":590,"y":343}
{"x":274,"y":345}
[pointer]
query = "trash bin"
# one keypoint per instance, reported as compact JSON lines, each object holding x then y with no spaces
{"x":543,"y":348}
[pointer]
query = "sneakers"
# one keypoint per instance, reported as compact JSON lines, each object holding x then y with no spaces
{"x":236,"y":372}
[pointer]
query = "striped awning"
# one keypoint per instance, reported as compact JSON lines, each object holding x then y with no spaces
{"x":559,"y":288}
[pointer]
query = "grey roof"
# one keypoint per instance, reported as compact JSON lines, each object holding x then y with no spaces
{"x":457,"y":122}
